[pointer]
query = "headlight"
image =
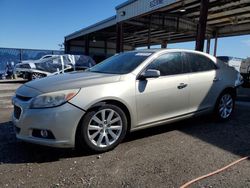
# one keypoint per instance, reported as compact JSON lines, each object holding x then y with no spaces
{"x":54,"y":99}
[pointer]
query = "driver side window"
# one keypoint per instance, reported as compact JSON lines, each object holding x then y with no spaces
{"x":168,"y":64}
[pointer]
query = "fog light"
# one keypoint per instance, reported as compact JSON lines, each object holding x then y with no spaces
{"x":44,"y":133}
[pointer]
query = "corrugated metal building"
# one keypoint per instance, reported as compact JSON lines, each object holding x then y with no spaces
{"x":139,"y":23}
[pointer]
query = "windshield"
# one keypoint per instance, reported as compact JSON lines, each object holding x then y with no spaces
{"x":122,"y":63}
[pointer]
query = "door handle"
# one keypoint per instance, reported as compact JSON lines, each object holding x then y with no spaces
{"x":182,"y":86}
{"x":216,"y":79}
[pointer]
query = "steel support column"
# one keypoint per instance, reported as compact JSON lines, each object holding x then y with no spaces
{"x":164,"y":44}
{"x":66,"y":47}
{"x":201,"y":31}
{"x":208,"y":45}
{"x":215,"y":43}
{"x":149,"y":33}
{"x":86,"y":45}
{"x":119,"y":37}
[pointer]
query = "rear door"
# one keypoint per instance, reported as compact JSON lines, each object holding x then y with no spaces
{"x":204,"y":82}
{"x":164,"y":97}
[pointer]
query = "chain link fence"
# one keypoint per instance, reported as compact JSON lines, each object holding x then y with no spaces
{"x":8,"y":55}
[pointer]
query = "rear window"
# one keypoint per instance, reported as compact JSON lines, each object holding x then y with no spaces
{"x":200,"y":63}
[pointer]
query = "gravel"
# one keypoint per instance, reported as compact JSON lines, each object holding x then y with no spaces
{"x":165,"y":156}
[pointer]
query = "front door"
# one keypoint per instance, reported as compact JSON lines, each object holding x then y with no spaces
{"x":164,"y":97}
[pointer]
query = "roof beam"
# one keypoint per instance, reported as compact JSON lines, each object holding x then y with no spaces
{"x":230,"y":20}
{"x":234,"y":30}
{"x":170,"y":23}
{"x":219,"y":11}
{"x":144,"y":37}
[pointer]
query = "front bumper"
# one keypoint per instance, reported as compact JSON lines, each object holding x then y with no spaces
{"x":61,"y":121}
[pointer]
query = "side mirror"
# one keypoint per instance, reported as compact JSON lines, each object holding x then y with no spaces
{"x":150,"y":73}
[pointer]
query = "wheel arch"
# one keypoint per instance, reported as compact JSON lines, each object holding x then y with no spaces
{"x":232,"y":90}
{"x":117,"y":103}
{"x":103,"y":102}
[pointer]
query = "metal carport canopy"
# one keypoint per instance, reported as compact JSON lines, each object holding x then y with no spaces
{"x":93,"y":28}
{"x":151,"y":22}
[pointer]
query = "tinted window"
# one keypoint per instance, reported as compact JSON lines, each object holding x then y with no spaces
{"x":199,"y":63}
{"x":122,"y":63}
{"x":168,"y":64}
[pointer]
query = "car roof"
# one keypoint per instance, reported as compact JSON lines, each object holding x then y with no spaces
{"x":157,"y":50}
{"x":160,"y":50}
{"x":167,"y":50}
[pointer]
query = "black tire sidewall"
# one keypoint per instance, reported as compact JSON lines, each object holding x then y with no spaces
{"x":82,"y":138}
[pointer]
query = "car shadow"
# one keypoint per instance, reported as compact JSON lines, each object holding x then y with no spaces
{"x":14,"y":151}
{"x":232,"y":136}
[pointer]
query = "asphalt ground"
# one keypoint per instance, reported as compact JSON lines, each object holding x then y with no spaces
{"x":165,"y":156}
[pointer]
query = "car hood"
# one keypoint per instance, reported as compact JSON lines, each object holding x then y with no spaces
{"x":71,"y":81}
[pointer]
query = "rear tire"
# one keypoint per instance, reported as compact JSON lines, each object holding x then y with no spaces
{"x":225,"y":106}
{"x":35,"y":76}
{"x":101,"y":129}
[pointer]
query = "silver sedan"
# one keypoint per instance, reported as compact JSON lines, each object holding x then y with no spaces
{"x":127,"y":92}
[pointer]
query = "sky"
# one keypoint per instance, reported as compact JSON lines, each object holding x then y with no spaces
{"x":43,"y":24}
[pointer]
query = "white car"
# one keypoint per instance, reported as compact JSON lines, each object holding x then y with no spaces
{"x":95,"y":109}
{"x":232,"y":61}
{"x":52,"y":65}
{"x":245,"y":71}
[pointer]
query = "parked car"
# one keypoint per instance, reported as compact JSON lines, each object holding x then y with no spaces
{"x":245,"y":71}
{"x":3,"y":75}
{"x":8,"y":71}
{"x":52,"y":65}
{"x":127,"y":92}
{"x":232,"y":61}
{"x":241,"y":65}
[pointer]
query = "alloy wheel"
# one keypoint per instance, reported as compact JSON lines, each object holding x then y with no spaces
{"x":36,"y":76}
{"x":226,"y":106}
{"x":104,"y":128}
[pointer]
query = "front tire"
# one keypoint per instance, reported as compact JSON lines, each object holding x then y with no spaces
{"x":225,"y":106}
{"x":102,"y":129}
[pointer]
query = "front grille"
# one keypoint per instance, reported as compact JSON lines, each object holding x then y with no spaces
{"x":22,"y":98}
{"x":17,"y":112}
